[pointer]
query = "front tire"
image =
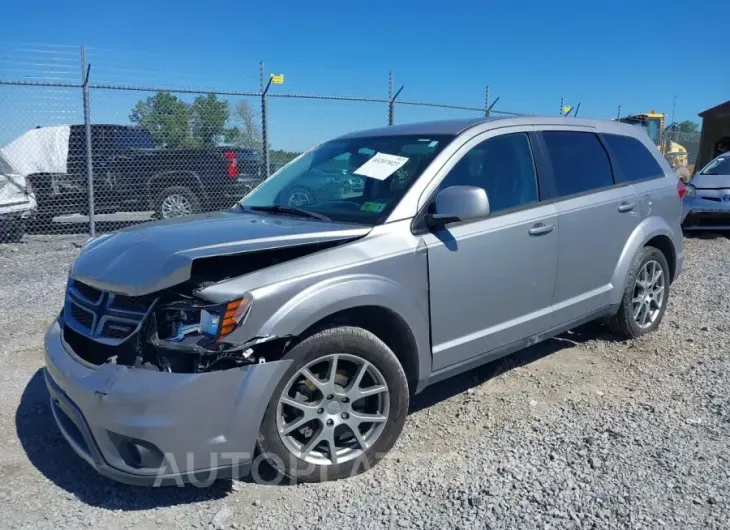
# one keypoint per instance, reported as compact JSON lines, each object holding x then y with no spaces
{"x":645,"y":296}
{"x":338,"y":409}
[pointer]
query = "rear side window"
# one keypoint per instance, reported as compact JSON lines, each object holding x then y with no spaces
{"x":580,"y":162}
{"x":634,"y":161}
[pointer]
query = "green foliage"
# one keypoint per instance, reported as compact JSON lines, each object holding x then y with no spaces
{"x":245,"y":131}
{"x":688,"y":126}
{"x":208,"y":116}
{"x":279,"y":157}
{"x":175,"y":123}
{"x":166,"y":118}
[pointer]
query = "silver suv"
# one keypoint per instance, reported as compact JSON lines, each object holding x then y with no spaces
{"x":301,"y":321}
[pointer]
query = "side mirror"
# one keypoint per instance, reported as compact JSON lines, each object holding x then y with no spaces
{"x":458,"y":203}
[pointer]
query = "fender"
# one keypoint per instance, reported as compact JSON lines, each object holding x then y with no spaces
{"x":647,"y":229}
{"x":171,"y":174}
{"x":347,"y":292}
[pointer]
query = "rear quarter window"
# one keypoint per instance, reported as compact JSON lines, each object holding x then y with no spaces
{"x":633,"y":159}
{"x":579,"y":160}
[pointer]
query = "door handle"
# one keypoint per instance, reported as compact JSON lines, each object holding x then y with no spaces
{"x":626,"y":206}
{"x":540,"y":229}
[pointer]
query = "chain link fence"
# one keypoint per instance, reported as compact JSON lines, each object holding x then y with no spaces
{"x":85,"y":152}
{"x":91,"y":142}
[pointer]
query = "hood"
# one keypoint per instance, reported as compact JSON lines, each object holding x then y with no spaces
{"x":147,"y":258}
{"x":711,"y":182}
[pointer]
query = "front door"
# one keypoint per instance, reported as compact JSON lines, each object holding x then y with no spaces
{"x":491,"y":280}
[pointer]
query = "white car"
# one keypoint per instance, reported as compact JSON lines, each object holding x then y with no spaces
{"x":706,"y":204}
{"x":17,"y":203}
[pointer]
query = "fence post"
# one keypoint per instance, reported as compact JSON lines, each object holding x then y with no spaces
{"x":391,"y":101}
{"x":85,"y":70}
{"x":264,"y":122}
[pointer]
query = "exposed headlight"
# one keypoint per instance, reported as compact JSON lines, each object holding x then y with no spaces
{"x":691,"y":191}
{"x":184,"y":322}
{"x":225,"y":321}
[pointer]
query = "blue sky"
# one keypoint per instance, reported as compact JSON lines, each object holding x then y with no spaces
{"x":601,"y":54}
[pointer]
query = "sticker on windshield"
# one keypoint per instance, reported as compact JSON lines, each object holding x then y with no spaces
{"x":381,"y":166}
{"x":375,"y":207}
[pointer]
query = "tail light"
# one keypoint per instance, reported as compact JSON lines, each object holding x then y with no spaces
{"x":681,"y":189}
{"x":232,"y":160}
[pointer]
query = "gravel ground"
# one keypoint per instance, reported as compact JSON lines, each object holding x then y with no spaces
{"x":579,"y":432}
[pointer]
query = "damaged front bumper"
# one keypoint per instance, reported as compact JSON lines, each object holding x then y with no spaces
{"x":147,"y":427}
{"x":708,"y":210}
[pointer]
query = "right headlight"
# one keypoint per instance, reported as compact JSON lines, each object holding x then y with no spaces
{"x":234,"y":314}
{"x":691,"y":191}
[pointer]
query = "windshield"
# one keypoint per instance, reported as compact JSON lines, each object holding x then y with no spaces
{"x":353,"y":180}
{"x":719,"y":166}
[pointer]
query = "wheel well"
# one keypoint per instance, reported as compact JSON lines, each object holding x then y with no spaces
{"x":664,"y":244}
{"x":385,"y":324}
{"x":165,"y":180}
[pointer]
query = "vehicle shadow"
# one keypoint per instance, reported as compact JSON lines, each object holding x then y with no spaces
{"x":50,"y":454}
{"x":448,"y":388}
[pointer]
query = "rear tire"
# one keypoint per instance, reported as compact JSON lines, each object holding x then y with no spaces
{"x":176,"y":201}
{"x":352,"y":348}
{"x":641,"y":310}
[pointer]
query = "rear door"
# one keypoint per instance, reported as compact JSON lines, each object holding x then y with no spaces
{"x":636,"y":163}
{"x":491,"y":280}
{"x":596,"y":216}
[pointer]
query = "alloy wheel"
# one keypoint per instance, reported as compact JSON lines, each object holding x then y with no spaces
{"x":176,"y":205}
{"x":333,"y":409}
{"x":648,"y":296}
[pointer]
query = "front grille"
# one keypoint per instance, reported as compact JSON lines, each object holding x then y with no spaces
{"x":87,"y":291}
{"x":82,"y":316}
{"x":137,"y":304}
{"x":95,"y":352}
{"x":106,"y":318}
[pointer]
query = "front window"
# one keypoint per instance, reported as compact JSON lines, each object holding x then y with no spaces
{"x":352,"y":180}
{"x":719,"y":166}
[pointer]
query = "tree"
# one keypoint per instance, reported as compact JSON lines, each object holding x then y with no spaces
{"x":208,"y":116}
{"x":687,"y":126}
{"x":245,"y":131}
{"x":165,"y":117}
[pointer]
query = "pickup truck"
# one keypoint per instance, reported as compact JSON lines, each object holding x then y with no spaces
{"x":130,"y":174}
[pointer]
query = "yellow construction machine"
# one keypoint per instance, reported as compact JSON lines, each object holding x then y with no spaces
{"x":653,"y":123}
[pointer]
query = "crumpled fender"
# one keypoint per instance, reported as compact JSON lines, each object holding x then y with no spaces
{"x":345,"y":292}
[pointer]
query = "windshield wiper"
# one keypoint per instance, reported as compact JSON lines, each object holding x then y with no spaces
{"x":291,"y":210}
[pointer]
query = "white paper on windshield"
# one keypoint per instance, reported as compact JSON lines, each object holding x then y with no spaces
{"x":381,"y":166}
